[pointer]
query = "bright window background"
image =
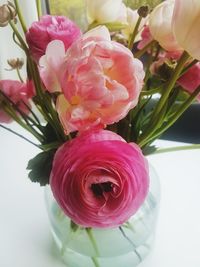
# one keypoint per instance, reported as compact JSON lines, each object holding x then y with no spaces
{"x":8,"y":49}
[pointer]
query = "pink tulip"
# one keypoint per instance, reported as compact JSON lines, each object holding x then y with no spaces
{"x":104,"y":11}
{"x":146,"y":38}
{"x":160,"y":25}
{"x":101,"y":83}
{"x":51,"y":28}
{"x":186,"y":24}
{"x":19,"y":93}
{"x":99,"y":180}
{"x":191,"y":79}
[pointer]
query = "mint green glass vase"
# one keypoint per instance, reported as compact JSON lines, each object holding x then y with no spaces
{"x":126,"y":245}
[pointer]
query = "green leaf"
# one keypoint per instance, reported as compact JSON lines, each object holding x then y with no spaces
{"x":74,"y":226}
{"x":138,"y":3}
{"x":40,"y":167}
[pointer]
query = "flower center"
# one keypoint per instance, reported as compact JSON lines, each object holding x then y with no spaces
{"x":98,"y":189}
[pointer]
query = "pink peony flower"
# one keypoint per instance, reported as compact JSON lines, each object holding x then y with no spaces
{"x":52,"y":66}
{"x":19,"y":93}
{"x":191,"y":79}
{"x":99,"y":180}
{"x":101,"y":83}
{"x":50,"y":28}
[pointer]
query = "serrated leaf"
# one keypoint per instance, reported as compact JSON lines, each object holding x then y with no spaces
{"x":40,"y":167}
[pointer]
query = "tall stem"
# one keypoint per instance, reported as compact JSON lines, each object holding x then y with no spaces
{"x":19,"y":135}
{"x":92,"y":239}
{"x":152,"y":126}
{"x":133,"y":36}
{"x":179,"y":112}
{"x":21,"y":18}
{"x":177,"y":148}
{"x":39,"y":8}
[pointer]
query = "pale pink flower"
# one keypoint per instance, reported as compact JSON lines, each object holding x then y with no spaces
{"x":101,"y":84}
{"x":50,"y":28}
{"x":186,"y":24}
{"x":146,"y":37}
{"x":160,"y":25}
{"x":191,"y":79}
{"x":52,"y":66}
{"x":99,"y":180}
{"x":19,"y":93}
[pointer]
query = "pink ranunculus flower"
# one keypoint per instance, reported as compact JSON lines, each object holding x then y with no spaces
{"x":99,"y":180}
{"x":186,"y":24}
{"x":51,"y":28}
{"x":102,"y":82}
{"x":191,"y":79}
{"x":19,"y":93}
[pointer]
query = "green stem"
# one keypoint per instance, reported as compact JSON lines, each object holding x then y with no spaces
{"x":19,"y":37}
{"x":19,"y":75}
{"x":21,"y":18}
{"x":133,"y":36}
{"x":50,"y":146}
{"x":176,"y":148}
{"x":93,"y":241}
{"x":45,"y":102}
{"x":39,"y":8}
{"x":171,"y":84}
{"x":180,"y":111}
{"x":96,"y":264}
{"x":19,"y":135}
{"x":12,"y":107}
{"x":162,"y":102}
{"x":151,"y":92}
{"x":13,"y":115}
{"x":188,"y":67}
{"x":36,"y":122}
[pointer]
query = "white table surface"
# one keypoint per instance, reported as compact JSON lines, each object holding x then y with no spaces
{"x":25,"y":239}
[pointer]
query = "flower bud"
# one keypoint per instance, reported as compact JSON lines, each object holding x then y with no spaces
{"x":143,"y":11}
{"x":15,"y":63}
{"x":7,"y":13}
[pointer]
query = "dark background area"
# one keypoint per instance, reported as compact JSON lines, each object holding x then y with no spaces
{"x":187,"y":128}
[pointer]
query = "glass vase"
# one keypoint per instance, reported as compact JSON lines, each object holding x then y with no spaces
{"x":126,"y":245}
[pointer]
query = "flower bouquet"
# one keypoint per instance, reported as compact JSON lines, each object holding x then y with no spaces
{"x":87,"y":101}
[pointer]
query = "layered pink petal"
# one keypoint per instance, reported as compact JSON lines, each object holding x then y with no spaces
{"x":104,"y":184}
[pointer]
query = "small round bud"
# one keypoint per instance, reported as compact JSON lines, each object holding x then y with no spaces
{"x":143,"y":11}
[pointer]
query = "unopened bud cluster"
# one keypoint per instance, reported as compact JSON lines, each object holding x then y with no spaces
{"x":15,"y":63}
{"x":7,"y":13}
